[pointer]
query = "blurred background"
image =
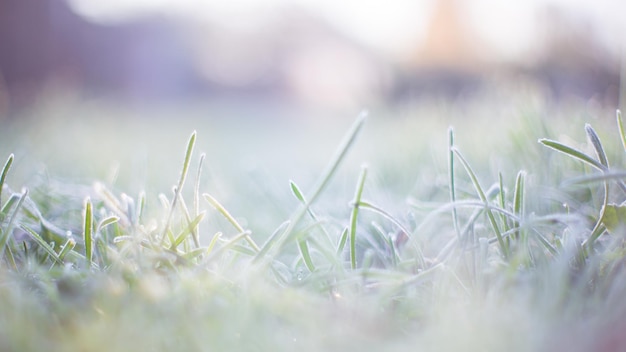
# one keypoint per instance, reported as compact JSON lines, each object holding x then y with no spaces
{"x":335,"y":57}
{"x":111,"y":90}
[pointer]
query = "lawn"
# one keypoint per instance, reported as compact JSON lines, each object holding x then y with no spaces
{"x":482,"y":226}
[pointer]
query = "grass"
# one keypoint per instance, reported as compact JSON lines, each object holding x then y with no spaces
{"x":485,"y":241}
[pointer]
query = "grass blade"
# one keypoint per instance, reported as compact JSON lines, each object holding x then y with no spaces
{"x":181,"y":183}
{"x":188,"y":231}
{"x":483,"y":198}
{"x":572,"y":152}
{"x":6,"y":233}
{"x":88,"y":232}
{"x":331,"y":169}
{"x":5,"y":171}
{"x":220,"y":208}
{"x":455,"y":216}
{"x":518,"y":199}
{"x":306,"y":255}
{"x":343,"y":239}
{"x":620,"y":125}
{"x":40,"y":241}
{"x":354,"y":215}
{"x":597,"y":145}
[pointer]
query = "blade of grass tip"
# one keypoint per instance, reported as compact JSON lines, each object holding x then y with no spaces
{"x":321,"y":184}
{"x":369,"y":206}
{"x":6,"y":233}
{"x":67,"y":247}
{"x":597,"y":145}
{"x":40,"y":241}
{"x":620,"y":125}
{"x":140,"y":207}
{"x":5,"y":171}
{"x":455,"y":217}
{"x":88,"y":232}
{"x":106,"y":222}
{"x":220,"y":208}
{"x":214,"y":240}
{"x":501,"y":195}
{"x":181,"y":183}
{"x":598,"y":229}
{"x":187,"y":231}
{"x":342,"y":241}
{"x":518,"y":201}
{"x":572,"y":152}
{"x":196,"y":198}
{"x":298,"y":194}
{"x":306,"y":255}
{"x":354,"y":215}
{"x":483,"y":198}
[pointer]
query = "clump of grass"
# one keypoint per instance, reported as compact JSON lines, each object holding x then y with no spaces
{"x":370,"y":280}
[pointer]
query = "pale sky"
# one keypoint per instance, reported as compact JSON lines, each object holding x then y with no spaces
{"x":387,"y":25}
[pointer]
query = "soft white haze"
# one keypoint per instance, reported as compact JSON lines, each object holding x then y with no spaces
{"x":389,"y":25}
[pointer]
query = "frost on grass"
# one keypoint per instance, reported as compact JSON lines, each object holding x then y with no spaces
{"x":481,"y":264}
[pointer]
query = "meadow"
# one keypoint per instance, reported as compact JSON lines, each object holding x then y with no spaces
{"x":483,"y":226}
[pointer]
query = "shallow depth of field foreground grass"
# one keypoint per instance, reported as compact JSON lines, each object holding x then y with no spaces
{"x":513,"y":247}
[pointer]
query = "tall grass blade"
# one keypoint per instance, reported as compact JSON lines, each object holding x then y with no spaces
{"x":196,"y":199}
{"x":220,"y":208}
{"x":451,"y":180}
{"x":88,"y":232}
{"x":597,"y":145}
{"x":66,"y":248}
{"x":5,"y":171}
{"x":518,"y":199}
{"x":40,"y":241}
{"x":620,"y":125}
{"x":331,"y":169}
{"x":6,"y":232}
{"x":354,"y":215}
{"x":306,"y":255}
{"x":179,"y":187}
{"x":483,"y":198}
{"x":572,"y":152}
{"x":343,"y":239}
{"x":298,"y":194}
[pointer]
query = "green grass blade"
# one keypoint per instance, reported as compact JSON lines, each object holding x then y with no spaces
{"x":298,"y":194}
{"x":106,"y":222}
{"x":5,"y":171}
{"x":572,"y":152}
{"x":451,"y":180}
{"x":331,"y":169}
{"x":181,"y":182}
{"x":6,"y":232}
{"x":518,"y":199}
{"x":597,"y":145}
{"x":306,"y":255}
{"x":88,"y":232}
{"x":296,"y":191}
{"x":220,"y":208}
{"x":483,"y":198}
{"x":188,"y":231}
{"x":67,"y":247}
{"x":40,"y":241}
{"x":354,"y":215}
{"x":343,"y":239}
{"x":196,"y":199}
{"x":367,"y":205}
{"x":214,"y":240}
{"x":620,"y":125}
{"x":502,"y":198}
